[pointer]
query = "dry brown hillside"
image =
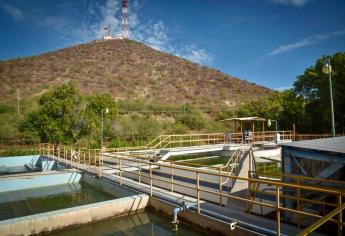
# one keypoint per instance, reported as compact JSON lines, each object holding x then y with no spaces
{"x":126,"y":69}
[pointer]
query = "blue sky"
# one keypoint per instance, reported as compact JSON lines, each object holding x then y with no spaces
{"x":268,"y":42}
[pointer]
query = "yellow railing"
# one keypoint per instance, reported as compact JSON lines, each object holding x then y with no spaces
{"x":76,"y":157}
{"x":301,"y":137}
{"x":141,"y":169}
{"x":326,"y":218}
{"x":186,"y":140}
{"x":189,"y":140}
{"x":277,"y":185}
{"x":269,"y":136}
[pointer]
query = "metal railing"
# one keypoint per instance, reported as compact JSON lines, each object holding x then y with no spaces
{"x":338,"y":211}
{"x":270,"y":136}
{"x":189,"y":140}
{"x":74,"y":157}
{"x":186,"y":140}
{"x":301,"y":137}
{"x":143,"y":170}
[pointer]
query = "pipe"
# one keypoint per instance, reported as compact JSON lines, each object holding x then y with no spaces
{"x":229,"y":220}
{"x":181,"y":208}
{"x":237,"y":223}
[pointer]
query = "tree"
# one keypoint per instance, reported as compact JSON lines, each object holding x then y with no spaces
{"x":313,"y":88}
{"x":284,"y":107}
{"x":58,"y":118}
{"x":93,"y":114}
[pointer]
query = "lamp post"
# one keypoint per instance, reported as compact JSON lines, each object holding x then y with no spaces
{"x":104,"y":111}
{"x":327,"y":69}
{"x":269,"y":123}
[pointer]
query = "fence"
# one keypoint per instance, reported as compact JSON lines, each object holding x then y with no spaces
{"x":301,"y":137}
{"x":140,"y":169}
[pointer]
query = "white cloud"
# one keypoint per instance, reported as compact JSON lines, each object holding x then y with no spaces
{"x":298,"y":3}
{"x":305,"y":42}
{"x":156,"y":34}
{"x":12,"y":10}
{"x":55,"y":22}
{"x":108,"y":18}
{"x":194,"y":54}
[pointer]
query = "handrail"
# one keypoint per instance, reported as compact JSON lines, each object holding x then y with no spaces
{"x":164,"y":141}
{"x":153,"y":141}
{"x":95,"y":163}
{"x":299,"y":177}
{"x":321,"y":221}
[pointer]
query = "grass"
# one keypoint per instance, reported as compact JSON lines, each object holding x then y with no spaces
{"x":186,"y":157}
{"x":217,"y":160}
{"x":269,"y":167}
{"x":18,"y":151}
{"x":212,"y":161}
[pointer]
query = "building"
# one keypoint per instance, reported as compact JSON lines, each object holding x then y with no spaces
{"x":318,"y":158}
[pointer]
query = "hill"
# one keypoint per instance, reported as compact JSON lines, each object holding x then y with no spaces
{"x":127,"y":70}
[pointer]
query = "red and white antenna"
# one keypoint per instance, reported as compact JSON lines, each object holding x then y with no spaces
{"x":124,"y":28}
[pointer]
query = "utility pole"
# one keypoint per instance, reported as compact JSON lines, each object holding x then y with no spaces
{"x":327,"y":68}
{"x":103,"y":112}
{"x":18,"y":102}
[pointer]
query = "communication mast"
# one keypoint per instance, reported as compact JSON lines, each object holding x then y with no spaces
{"x":124,"y":27}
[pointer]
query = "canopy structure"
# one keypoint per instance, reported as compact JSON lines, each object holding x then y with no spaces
{"x":246,"y":122}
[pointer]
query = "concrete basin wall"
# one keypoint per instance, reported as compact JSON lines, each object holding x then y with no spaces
{"x":107,"y":186}
{"x":18,"y":160}
{"x":37,"y":179}
{"x":17,"y":164}
{"x":212,"y":225}
{"x":46,"y":222}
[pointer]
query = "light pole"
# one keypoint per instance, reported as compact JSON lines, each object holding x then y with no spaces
{"x":327,"y":69}
{"x":106,"y":111}
{"x":269,"y":123}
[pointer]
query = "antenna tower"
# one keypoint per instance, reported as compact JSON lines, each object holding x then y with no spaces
{"x":124,"y":19}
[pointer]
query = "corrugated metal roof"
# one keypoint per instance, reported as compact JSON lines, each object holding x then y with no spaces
{"x":326,"y":144}
{"x":246,"y":119}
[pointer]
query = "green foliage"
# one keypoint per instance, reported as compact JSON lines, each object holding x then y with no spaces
{"x":4,"y":108}
{"x":313,"y":87}
{"x":58,"y":118}
{"x":224,"y":114}
{"x":308,"y":104}
{"x":64,"y":116}
{"x":148,"y":126}
{"x":9,"y":126}
{"x":284,"y":107}
{"x":177,"y":128}
{"x":136,"y":125}
{"x":18,"y":151}
{"x":96,"y":108}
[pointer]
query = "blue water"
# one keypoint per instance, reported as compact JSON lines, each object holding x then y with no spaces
{"x":148,"y":223}
{"x":38,"y":200}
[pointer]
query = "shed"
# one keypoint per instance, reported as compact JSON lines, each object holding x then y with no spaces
{"x":248,"y":122}
{"x":319,"y":158}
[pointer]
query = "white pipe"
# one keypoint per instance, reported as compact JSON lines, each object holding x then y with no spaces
{"x":181,"y":208}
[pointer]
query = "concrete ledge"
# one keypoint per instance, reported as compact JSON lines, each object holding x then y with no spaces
{"x":46,"y":222}
{"x":212,"y":225}
{"x":38,"y":179}
{"x":18,"y":160}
